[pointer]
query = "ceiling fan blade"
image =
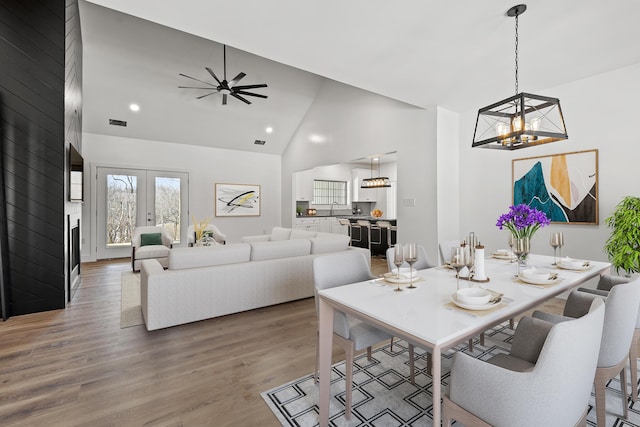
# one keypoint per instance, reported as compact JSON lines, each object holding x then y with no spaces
{"x":200,"y":97}
{"x":250,"y":86}
{"x":201,"y":81}
{"x":213,"y":75}
{"x":194,"y":87}
{"x":235,"y":95}
{"x":241,"y":92}
{"x":236,"y":79}
{"x":224,"y":99}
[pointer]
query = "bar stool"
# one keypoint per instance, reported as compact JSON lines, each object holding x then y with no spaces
{"x":347,"y":223}
{"x":365,"y":223}
{"x":387,"y":226}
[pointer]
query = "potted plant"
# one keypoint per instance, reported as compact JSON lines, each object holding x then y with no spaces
{"x":298,"y":210}
{"x":623,"y":246}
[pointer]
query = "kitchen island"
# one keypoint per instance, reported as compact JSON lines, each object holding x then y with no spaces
{"x":360,"y":238}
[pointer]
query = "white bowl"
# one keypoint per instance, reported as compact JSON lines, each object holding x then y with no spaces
{"x":571,"y":263}
{"x":535,"y":273}
{"x":502,"y":252}
{"x":473,"y":296}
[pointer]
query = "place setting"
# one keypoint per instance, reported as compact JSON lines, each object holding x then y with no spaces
{"x":557,"y":242}
{"x":405,"y":276}
{"x":538,"y":277}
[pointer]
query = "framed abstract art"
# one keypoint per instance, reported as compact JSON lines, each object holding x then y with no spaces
{"x":237,"y":199}
{"x":563,"y":186}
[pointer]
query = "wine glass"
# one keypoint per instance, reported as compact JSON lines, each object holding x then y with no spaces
{"x":469,"y":260}
{"x":411,"y":257}
{"x":510,"y":243}
{"x":398,"y":259}
{"x":555,"y":243}
{"x":560,"y":243}
{"x":458,"y":262}
{"x":522,"y":246}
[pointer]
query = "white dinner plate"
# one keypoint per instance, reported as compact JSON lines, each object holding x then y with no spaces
{"x":403,"y":278}
{"x":502,"y":256}
{"x":478,"y":307}
{"x":570,"y":267}
{"x":538,"y":281}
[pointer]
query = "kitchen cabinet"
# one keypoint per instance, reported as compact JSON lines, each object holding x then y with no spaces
{"x":308,"y":224}
{"x":330,"y":224}
{"x":304,"y":185}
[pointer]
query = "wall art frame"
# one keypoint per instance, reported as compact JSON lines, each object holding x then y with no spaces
{"x":237,"y":199}
{"x":563,"y":186}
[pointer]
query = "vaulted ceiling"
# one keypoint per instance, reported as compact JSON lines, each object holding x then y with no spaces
{"x":458,"y":55}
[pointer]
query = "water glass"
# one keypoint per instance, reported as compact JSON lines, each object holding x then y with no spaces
{"x":411,"y":256}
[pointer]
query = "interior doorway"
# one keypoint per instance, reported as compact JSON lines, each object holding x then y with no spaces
{"x":127,"y":198}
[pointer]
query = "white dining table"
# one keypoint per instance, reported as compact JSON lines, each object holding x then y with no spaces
{"x":422,"y":315}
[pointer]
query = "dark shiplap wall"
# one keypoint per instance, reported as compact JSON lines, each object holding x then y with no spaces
{"x":32,"y":74}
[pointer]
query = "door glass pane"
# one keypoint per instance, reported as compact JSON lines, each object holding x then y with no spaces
{"x":121,"y":209}
{"x":167,"y":205}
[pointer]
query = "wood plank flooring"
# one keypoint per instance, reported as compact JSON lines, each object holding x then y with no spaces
{"x":76,"y":367}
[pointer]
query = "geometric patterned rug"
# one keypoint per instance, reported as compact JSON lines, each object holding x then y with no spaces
{"x":384,"y":396}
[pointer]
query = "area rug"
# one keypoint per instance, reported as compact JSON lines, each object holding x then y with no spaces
{"x":130,"y":310}
{"x":384,"y":396}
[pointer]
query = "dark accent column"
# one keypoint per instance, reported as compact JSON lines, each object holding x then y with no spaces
{"x":32,"y":48}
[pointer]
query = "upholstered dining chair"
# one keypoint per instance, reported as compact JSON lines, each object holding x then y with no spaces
{"x":544,"y":381}
{"x":605,"y":284}
{"x":620,"y":318}
{"x":150,"y":242}
{"x":420,"y":264}
{"x":217,"y":235}
{"x":353,"y":335}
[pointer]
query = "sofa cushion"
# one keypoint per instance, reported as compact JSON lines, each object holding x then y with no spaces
{"x":302,"y":234}
{"x":152,"y":251}
{"x":280,"y":249}
{"x":205,"y":256}
{"x":148,"y":239}
{"x":279,"y":233}
{"x":335,"y":243}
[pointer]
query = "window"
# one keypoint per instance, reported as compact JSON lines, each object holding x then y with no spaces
{"x":329,"y":192}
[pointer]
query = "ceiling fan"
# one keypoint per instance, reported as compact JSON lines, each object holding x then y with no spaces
{"x":225,"y":87}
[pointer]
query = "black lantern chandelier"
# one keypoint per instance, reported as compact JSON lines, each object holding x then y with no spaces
{"x":376,"y":182}
{"x":523,"y":120}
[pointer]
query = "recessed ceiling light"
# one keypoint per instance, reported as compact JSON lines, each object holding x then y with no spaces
{"x":134,"y":107}
{"x":317,"y":138}
{"x":269,"y":129}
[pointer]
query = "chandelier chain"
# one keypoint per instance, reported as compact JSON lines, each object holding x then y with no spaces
{"x":516,"y":54}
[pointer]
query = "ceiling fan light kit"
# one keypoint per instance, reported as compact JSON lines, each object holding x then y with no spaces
{"x":225,"y":87}
{"x":523,"y":120}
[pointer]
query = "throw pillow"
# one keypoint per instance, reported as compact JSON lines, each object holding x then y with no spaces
{"x":150,"y":239}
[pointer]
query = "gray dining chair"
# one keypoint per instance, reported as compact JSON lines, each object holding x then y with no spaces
{"x":545,"y":380}
{"x":621,"y":314}
{"x":445,"y":250}
{"x":420,"y":264}
{"x":353,"y":335}
{"x":605,"y":284}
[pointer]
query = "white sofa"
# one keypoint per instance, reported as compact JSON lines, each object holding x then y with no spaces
{"x":206,"y":282}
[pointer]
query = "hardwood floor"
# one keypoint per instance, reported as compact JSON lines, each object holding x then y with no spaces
{"x":76,"y":367}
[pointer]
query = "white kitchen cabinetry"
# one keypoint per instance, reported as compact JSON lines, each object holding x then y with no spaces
{"x":362,"y":194}
{"x":330,"y":224}
{"x":337,"y":228}
{"x":308,"y":224}
{"x":304,"y":185}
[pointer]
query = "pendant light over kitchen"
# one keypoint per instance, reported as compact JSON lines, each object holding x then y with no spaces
{"x":377,"y":181}
{"x":523,"y":120}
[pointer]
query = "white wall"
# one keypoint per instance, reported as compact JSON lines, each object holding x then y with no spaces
{"x":205,"y":166}
{"x":352,"y":124}
{"x":601,"y":112}
{"x":448,"y":176}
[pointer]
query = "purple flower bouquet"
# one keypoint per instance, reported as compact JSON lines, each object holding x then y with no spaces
{"x":523,"y":221}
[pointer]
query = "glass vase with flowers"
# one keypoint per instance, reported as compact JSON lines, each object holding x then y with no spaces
{"x":523,"y":221}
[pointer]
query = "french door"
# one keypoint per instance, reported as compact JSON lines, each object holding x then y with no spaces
{"x":129,"y":198}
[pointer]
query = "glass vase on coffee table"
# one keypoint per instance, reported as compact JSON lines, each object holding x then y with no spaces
{"x":458,"y":262}
{"x":398,"y":259}
{"x":521,"y":247}
{"x":411,"y":256}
